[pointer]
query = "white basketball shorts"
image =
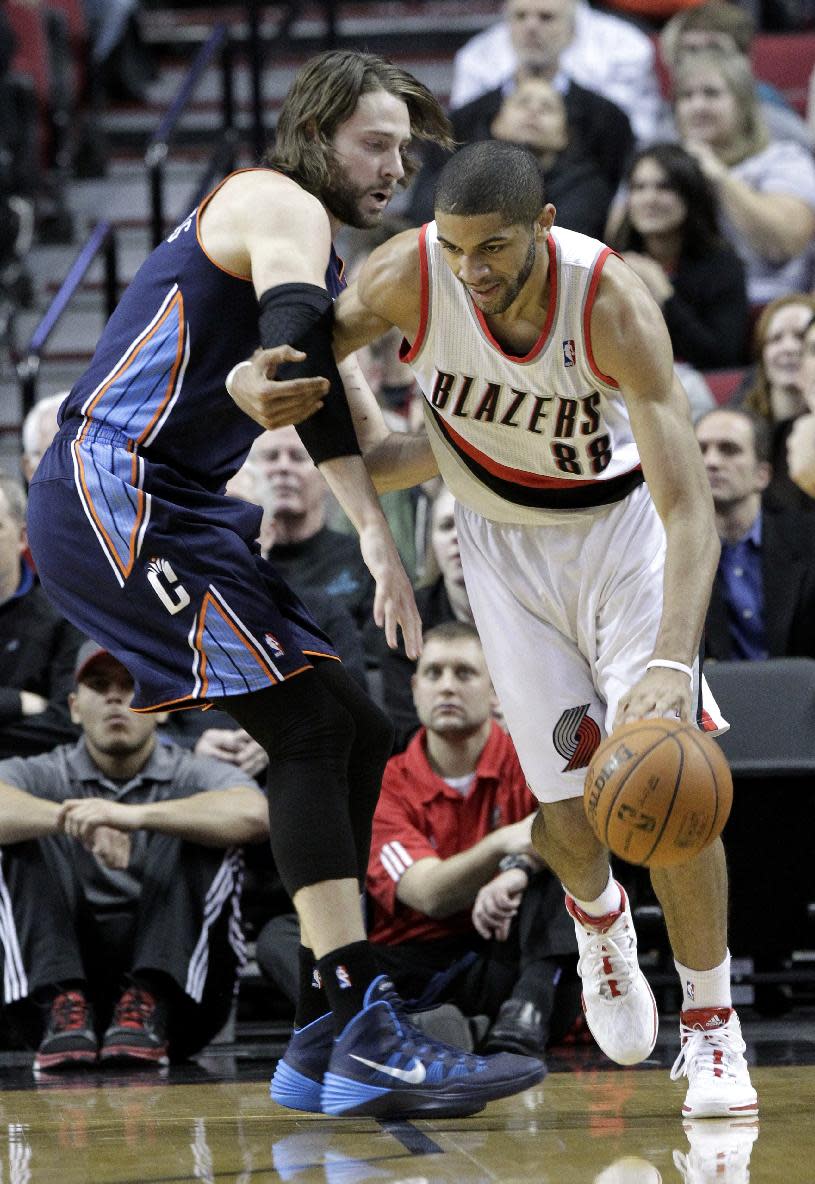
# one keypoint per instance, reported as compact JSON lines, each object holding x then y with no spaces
{"x":568,"y":614}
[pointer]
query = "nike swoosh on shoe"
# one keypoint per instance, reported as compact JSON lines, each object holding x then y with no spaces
{"x":414,"y":1076}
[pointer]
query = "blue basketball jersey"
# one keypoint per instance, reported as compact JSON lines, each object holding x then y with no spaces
{"x":158,"y":371}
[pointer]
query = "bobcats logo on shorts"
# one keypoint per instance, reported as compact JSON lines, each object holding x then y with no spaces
{"x":575,"y":737}
{"x":164,"y":582}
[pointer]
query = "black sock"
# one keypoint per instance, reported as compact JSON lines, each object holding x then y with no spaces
{"x":312,"y":1001}
{"x":347,"y":973}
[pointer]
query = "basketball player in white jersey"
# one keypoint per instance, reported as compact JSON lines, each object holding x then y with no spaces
{"x":587,"y":539}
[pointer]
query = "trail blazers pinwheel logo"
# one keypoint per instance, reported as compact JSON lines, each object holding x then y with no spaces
{"x":575,"y":737}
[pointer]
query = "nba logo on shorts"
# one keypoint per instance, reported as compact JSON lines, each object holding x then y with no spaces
{"x":568,"y":352}
{"x":273,"y":644}
{"x":343,"y":977}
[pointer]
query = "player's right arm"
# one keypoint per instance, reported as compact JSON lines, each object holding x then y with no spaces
{"x":386,"y":293}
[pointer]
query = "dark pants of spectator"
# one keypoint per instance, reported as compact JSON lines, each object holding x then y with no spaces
{"x":184,"y":927}
{"x":537,"y":963}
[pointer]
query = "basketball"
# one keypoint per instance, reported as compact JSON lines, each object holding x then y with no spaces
{"x":657,"y":792}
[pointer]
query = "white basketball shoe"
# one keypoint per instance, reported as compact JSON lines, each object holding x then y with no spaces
{"x":620,"y":1009}
{"x":719,"y":1151}
{"x":712,"y":1059}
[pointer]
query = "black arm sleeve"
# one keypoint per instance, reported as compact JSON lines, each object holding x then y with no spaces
{"x":302,"y":315}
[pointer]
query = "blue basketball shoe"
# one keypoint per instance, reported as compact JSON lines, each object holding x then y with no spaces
{"x":298,"y":1078}
{"x":381,"y":1065}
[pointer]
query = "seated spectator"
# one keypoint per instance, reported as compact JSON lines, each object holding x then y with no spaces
{"x":596,"y":50}
{"x":722,"y":27}
{"x":39,"y":429}
{"x":311,"y":558}
{"x":776,"y":393}
{"x":766,"y":190}
{"x":461,"y":908}
{"x":119,"y":56}
{"x":600,"y":127}
{"x":763,"y":599}
{"x":443,"y":597}
{"x":801,"y":441}
{"x":669,"y":236}
{"x":38,"y":647}
{"x":122,"y":875}
{"x":534,"y":115}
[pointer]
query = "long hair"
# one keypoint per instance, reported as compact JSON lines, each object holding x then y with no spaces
{"x":757,"y":397}
{"x":700,"y":230}
{"x":751,"y":133}
{"x":325,"y":94}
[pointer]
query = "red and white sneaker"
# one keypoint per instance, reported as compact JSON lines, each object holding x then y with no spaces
{"x":712,"y":1059}
{"x":619,"y":1005}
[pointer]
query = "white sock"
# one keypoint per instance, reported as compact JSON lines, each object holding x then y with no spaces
{"x":609,"y":901}
{"x":705,"y":988}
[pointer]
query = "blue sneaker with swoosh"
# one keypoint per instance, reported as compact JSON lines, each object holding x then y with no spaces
{"x":382,"y":1065}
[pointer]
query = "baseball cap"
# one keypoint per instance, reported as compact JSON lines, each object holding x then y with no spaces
{"x":89,"y":652}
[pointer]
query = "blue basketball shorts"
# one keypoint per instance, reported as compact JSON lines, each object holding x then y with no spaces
{"x":163,"y":573}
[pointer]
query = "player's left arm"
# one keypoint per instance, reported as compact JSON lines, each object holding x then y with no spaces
{"x":631,"y":344}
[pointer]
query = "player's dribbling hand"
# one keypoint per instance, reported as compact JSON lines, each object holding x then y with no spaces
{"x":272,"y":403}
{"x":394,"y":601}
{"x":658,"y":692}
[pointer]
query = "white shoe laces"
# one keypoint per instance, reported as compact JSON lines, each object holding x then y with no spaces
{"x":615,"y":951}
{"x":697,"y":1054}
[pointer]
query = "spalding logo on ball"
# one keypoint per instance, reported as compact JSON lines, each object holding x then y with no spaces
{"x":657,"y":792}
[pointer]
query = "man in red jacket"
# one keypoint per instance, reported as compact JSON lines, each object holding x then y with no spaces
{"x":461,"y":908}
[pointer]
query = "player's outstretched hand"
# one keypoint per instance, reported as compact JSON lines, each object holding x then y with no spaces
{"x":394,"y":602}
{"x":272,"y":403}
{"x":659,"y":692}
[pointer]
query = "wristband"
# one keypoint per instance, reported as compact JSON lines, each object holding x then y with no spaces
{"x":230,"y":378}
{"x":510,"y":861}
{"x":669,"y":665}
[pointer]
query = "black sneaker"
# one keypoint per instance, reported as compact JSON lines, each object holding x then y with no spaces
{"x":518,"y":1027}
{"x":69,"y":1040}
{"x":137,"y":1032}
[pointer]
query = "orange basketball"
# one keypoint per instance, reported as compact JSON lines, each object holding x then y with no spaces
{"x":658,"y":791}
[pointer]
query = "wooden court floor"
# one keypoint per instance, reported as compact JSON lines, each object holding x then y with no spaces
{"x":586,"y":1123}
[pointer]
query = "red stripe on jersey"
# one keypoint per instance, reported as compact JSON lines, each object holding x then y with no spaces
{"x":408,"y":352}
{"x":515,"y":476}
{"x":594,"y":283}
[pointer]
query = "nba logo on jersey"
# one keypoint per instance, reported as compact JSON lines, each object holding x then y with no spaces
{"x":343,"y":977}
{"x":273,"y":644}
{"x":568,"y":352}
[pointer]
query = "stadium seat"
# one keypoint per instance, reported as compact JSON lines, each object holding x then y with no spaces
{"x":786,"y":60}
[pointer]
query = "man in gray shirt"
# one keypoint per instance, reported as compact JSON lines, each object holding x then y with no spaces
{"x":121,"y":869}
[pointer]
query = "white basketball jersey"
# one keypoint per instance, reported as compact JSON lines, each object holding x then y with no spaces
{"x":520,"y":438}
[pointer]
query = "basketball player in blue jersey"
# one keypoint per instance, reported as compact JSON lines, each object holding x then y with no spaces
{"x":137,"y":543}
{"x":588,"y":545}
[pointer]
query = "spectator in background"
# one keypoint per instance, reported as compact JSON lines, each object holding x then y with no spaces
{"x":726,"y":28}
{"x":669,"y":236}
{"x":599,"y":127}
{"x":313,"y":559}
{"x":443,"y":597}
{"x":801,"y":441}
{"x":594,"y":49}
{"x":766,"y":190}
{"x":39,"y":429}
{"x":38,"y":647}
{"x":121,"y":874}
{"x":461,"y":909}
{"x":776,"y":394}
{"x":119,"y":56}
{"x":763,"y":599}
{"x":534,"y":115}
